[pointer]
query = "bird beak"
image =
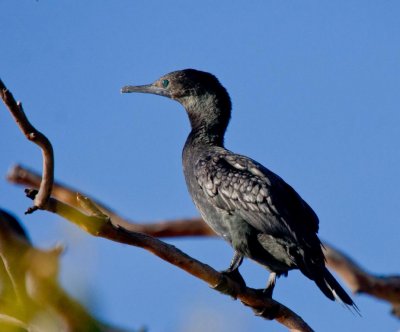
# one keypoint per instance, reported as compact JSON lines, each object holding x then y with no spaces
{"x":149,"y":88}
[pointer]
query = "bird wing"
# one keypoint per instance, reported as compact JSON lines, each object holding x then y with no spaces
{"x":238,"y":184}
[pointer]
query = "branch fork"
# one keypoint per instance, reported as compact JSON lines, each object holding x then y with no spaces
{"x":32,"y":134}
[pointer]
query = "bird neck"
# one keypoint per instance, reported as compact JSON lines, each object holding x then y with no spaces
{"x":209,"y":117}
{"x":204,"y":136}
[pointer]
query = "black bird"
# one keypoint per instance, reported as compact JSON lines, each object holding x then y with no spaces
{"x":252,"y":208}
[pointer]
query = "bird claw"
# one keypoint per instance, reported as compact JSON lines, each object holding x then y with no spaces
{"x":231,"y":283}
{"x":267,"y":313}
{"x":268,"y":292}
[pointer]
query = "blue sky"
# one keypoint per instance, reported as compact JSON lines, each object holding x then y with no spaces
{"x":315,"y":92}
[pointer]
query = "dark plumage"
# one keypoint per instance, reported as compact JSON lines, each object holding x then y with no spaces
{"x":252,"y":208}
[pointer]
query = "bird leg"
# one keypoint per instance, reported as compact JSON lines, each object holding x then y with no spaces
{"x":270,"y":284}
{"x":235,"y":263}
{"x":267,"y":291}
{"x":225,"y":286}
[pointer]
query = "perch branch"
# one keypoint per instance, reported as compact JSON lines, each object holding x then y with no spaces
{"x":383,"y":287}
{"x":32,"y":134}
{"x":96,"y":223}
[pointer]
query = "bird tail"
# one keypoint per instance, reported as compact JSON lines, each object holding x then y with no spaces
{"x":332,"y":289}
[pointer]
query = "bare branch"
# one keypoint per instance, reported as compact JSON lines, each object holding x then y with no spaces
{"x":178,"y":227}
{"x":385,"y":288}
{"x":38,"y":138}
{"x":98,"y":224}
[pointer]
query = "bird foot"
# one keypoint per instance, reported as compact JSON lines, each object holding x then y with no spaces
{"x":264,"y":292}
{"x":232,"y":283}
{"x":267,"y":313}
{"x":268,"y":292}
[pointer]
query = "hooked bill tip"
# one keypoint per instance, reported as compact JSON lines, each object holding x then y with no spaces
{"x":125,"y":89}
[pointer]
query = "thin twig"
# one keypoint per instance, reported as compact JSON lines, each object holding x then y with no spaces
{"x":32,"y":134}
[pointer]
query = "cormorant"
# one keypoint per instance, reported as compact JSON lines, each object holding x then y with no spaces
{"x":256,"y":211}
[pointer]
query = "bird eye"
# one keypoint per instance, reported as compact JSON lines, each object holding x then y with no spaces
{"x":165,"y":83}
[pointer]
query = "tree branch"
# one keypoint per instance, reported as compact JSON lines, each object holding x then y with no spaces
{"x":180,"y":227}
{"x":98,"y":224}
{"x":38,"y":138}
{"x":383,"y":287}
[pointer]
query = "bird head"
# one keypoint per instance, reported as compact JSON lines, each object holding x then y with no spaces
{"x":204,"y":98}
